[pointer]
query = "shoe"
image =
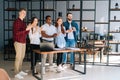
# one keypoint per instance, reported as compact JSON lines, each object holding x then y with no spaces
{"x":59,"y":68}
{"x":19,"y":76}
{"x":64,"y":67}
{"x":35,"y":71}
{"x":23,"y":73}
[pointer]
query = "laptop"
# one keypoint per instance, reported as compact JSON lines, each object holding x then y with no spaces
{"x":44,"y":46}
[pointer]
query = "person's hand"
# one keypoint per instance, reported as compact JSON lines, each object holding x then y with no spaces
{"x":70,"y":30}
{"x":73,"y":28}
{"x":54,"y":35}
{"x":29,"y":27}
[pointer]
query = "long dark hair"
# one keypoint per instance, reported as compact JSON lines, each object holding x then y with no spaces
{"x":32,"y":20}
{"x":62,"y":28}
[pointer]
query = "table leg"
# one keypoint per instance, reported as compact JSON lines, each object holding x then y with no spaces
{"x":116,"y":47}
{"x":100,"y":55}
{"x":42,"y":65}
{"x":73,"y":61}
{"x":84,"y":62}
{"x":83,"y":72}
{"x":80,"y":58}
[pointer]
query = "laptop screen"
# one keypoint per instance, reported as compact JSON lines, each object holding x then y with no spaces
{"x":46,"y":46}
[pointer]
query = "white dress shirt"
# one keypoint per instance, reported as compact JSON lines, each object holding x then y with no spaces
{"x":49,"y":30}
{"x":70,"y":35}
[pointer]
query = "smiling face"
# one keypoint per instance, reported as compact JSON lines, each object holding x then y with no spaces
{"x":59,"y":21}
{"x":35,"y":22}
{"x":69,"y":17}
{"x":48,"y":20}
{"x":22,"y":14}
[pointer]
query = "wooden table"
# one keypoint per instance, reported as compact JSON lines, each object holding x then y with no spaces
{"x":55,"y":51}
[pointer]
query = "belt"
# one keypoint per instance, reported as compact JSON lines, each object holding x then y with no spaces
{"x":47,"y":40}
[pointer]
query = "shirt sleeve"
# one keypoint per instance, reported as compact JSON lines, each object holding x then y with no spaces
{"x":30,"y":35}
{"x":39,"y":31}
{"x":65,"y":31}
{"x":43,"y":28}
{"x":55,"y":30}
{"x":77,"y":29}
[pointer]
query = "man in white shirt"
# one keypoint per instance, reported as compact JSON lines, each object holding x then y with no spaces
{"x":48,"y":34}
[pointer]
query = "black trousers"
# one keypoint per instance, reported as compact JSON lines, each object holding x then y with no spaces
{"x":59,"y":57}
{"x":37,"y":56}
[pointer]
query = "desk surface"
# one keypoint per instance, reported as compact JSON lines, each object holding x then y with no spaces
{"x":57,"y":50}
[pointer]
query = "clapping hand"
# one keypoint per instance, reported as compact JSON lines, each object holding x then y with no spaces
{"x":73,"y":28}
{"x":55,"y":34}
{"x":29,"y":27}
{"x":69,"y":30}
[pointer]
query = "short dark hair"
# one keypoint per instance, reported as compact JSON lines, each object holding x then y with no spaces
{"x":47,"y":16}
{"x":68,"y":13}
{"x":22,"y":9}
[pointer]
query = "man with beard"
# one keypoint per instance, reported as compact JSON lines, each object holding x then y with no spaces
{"x":71,"y":37}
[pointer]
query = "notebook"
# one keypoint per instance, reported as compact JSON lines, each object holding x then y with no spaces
{"x":46,"y":46}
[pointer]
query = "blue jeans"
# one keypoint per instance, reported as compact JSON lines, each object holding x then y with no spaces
{"x":69,"y":43}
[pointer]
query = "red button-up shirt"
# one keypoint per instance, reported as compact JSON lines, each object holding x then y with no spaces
{"x":19,"y":31}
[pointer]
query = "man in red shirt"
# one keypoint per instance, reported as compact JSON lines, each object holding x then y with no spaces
{"x":19,"y":36}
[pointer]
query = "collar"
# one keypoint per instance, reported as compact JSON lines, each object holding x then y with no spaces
{"x":47,"y":24}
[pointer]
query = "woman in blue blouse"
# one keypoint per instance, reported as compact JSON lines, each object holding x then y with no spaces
{"x":60,"y":41}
